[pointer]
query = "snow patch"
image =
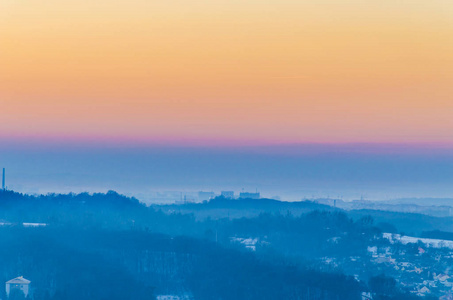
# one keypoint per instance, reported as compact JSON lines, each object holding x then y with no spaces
{"x":249,"y":243}
{"x":403,"y":239}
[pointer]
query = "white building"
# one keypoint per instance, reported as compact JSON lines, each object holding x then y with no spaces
{"x":366,"y":296}
{"x":18,"y":283}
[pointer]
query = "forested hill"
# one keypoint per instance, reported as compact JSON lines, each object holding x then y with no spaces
{"x":415,"y":224}
{"x":11,"y":199}
{"x":93,"y":264}
{"x":115,"y":210}
{"x":238,"y":208}
{"x":68,"y":242}
{"x":107,"y":246}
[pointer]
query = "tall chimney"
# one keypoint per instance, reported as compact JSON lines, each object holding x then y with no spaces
{"x":3,"y":180}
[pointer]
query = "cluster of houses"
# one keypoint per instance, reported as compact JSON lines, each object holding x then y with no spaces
{"x":424,"y":269}
{"x":18,"y":285}
{"x":422,"y":276}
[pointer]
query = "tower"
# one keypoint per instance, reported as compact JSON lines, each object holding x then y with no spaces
{"x":3,"y":179}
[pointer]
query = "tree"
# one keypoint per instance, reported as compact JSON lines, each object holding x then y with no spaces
{"x":383,"y":287}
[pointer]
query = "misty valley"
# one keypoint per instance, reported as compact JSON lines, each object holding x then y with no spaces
{"x":109,"y":246}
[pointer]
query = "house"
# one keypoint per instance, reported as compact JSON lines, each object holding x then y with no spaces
{"x":424,"y":290}
{"x":442,"y":277}
{"x":18,"y":283}
{"x":366,"y":296}
{"x":448,"y":296}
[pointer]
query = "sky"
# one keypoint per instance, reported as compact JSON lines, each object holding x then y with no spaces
{"x":147,"y":76}
{"x":232,"y":72}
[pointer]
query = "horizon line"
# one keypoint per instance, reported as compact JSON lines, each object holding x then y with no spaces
{"x":40,"y":142}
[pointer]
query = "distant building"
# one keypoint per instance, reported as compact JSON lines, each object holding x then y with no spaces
{"x":202,"y":196}
{"x":366,"y":296}
{"x":18,"y":284}
{"x":249,"y":195}
{"x":227,"y":194}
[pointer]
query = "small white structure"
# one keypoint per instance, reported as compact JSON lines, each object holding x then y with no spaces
{"x":366,"y":296}
{"x":18,"y":283}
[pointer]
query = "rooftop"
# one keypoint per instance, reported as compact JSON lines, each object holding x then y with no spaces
{"x":19,"y":280}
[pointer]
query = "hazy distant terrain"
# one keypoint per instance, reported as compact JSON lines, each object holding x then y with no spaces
{"x":291,"y":172}
{"x":220,"y":249}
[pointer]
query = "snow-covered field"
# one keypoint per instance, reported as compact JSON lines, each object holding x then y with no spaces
{"x":249,"y":243}
{"x":435,"y":243}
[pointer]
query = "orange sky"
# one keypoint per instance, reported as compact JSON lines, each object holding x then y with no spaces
{"x":270,"y":71}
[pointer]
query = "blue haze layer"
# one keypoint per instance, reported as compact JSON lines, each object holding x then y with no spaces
{"x":293,"y":172}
